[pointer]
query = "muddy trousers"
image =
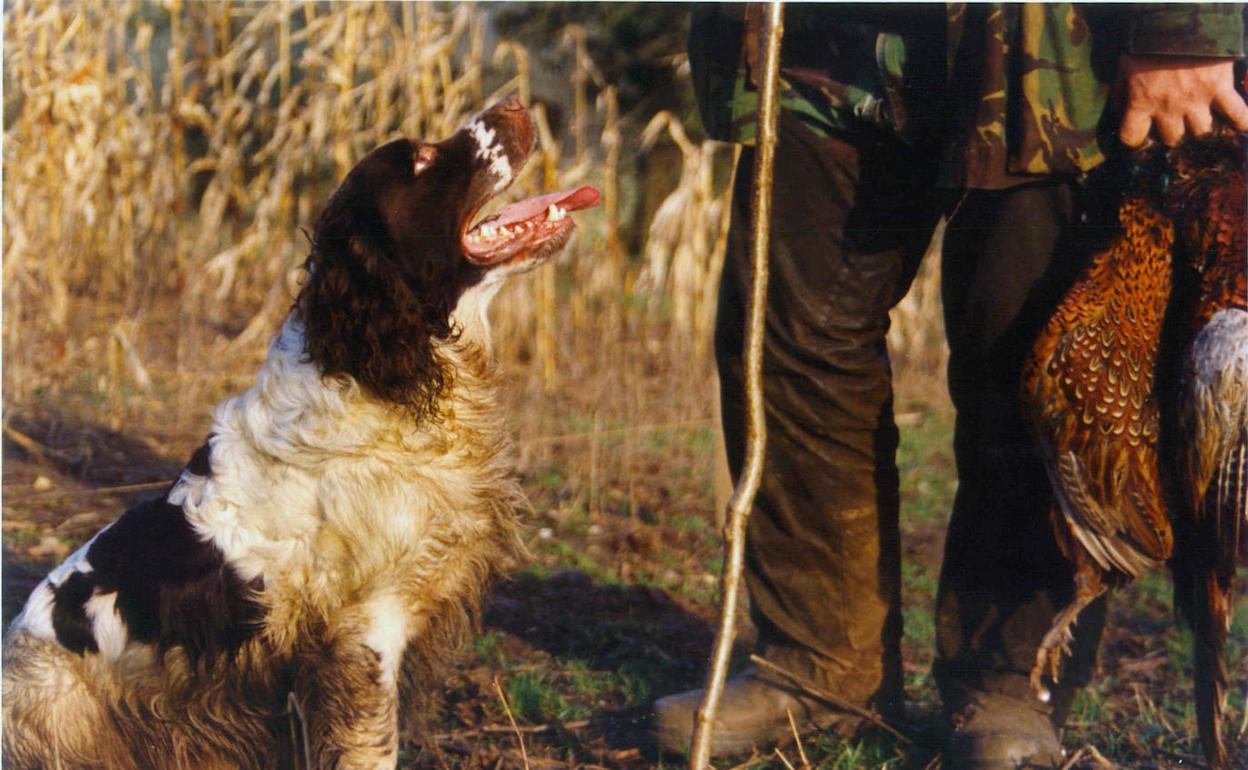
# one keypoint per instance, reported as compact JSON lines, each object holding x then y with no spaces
{"x":852,"y":218}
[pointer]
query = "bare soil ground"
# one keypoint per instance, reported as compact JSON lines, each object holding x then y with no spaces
{"x":616,"y":605}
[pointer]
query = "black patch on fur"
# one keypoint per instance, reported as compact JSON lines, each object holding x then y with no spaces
{"x":201,"y":463}
{"x":173,"y":589}
{"x":69,"y":613}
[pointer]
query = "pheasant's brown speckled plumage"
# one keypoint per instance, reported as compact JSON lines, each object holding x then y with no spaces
{"x":1088,"y":389}
{"x":1137,"y":390}
{"x":1208,"y":463}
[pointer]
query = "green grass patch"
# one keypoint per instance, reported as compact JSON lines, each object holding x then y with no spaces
{"x":557,"y":554}
{"x":1237,"y":642}
{"x":550,"y":478}
{"x":918,"y":578}
{"x":1088,"y":710}
{"x":535,"y":698}
{"x":23,"y":538}
{"x":836,"y":754}
{"x":689,"y":523}
{"x":920,"y":627}
{"x":487,"y":649}
{"x":925,"y":462}
{"x":566,"y":689}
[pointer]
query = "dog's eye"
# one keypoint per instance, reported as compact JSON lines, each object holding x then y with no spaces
{"x":424,"y":157}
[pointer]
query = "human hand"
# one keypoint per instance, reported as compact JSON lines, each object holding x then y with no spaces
{"x":1177,"y":95}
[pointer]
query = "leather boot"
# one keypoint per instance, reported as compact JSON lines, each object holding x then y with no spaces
{"x":994,"y":731}
{"x":754,"y":712}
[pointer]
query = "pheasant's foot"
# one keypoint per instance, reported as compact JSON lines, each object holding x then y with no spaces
{"x":1053,"y":646}
{"x":1056,"y":642}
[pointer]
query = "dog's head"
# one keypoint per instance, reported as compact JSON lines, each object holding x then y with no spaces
{"x":396,"y":248}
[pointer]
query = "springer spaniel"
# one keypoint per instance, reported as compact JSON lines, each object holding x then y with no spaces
{"x":336,"y":530}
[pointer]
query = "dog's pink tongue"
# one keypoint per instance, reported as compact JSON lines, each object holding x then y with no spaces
{"x":571,"y":200}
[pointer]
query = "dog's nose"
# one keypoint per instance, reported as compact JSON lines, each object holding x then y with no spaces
{"x":511,"y":103}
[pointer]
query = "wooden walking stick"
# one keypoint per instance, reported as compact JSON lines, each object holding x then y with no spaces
{"x":756,"y":428}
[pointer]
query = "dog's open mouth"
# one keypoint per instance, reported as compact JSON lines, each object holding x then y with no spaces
{"x":529,"y":228}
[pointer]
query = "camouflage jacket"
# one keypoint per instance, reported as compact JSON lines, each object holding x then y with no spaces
{"x":1008,"y":91}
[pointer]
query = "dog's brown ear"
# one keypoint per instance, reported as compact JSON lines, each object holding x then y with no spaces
{"x":361,"y":317}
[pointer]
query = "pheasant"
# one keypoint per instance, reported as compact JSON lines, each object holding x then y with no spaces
{"x":1087,"y":392}
{"x":1137,"y":392}
{"x":1208,"y":456}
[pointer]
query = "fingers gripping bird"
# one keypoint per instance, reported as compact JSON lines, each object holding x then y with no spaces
{"x":1137,"y":391}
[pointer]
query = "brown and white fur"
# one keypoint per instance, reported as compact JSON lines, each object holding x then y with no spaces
{"x":331,"y":538}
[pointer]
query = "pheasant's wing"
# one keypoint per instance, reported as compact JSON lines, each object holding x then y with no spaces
{"x":1213,"y":420}
{"x":1088,"y":392}
{"x":1111,"y":535}
{"x":1097,"y":428}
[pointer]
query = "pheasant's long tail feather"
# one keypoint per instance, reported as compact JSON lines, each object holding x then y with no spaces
{"x":1211,"y":675}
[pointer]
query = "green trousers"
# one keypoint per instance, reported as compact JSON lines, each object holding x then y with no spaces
{"x":852,"y":218}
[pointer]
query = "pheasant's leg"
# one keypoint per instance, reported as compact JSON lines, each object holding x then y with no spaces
{"x":1056,"y":642}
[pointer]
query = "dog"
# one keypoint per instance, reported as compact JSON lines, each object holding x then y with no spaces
{"x":292,"y":593}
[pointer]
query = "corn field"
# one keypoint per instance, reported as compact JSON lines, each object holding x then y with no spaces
{"x":163,"y":164}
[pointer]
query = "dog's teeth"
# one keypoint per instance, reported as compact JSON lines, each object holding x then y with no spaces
{"x":505,"y":231}
{"x":552,"y":212}
{"x":487,"y":231}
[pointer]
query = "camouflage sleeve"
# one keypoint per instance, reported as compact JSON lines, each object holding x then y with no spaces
{"x":1187,"y":29}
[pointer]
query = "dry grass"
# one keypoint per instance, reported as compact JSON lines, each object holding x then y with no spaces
{"x":162,"y":162}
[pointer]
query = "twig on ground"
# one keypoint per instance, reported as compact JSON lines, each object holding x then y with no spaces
{"x":570,"y":727}
{"x":118,"y":489}
{"x":753,"y":759}
{"x":783,"y":758}
{"x":832,"y":698}
{"x":436,"y":751}
{"x":79,"y":521}
{"x":539,"y":761}
{"x":1099,"y":758}
{"x":524,"y":754}
{"x":39,"y":451}
{"x":1243,"y":723}
{"x":1074,"y":758}
{"x":801,"y":752}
